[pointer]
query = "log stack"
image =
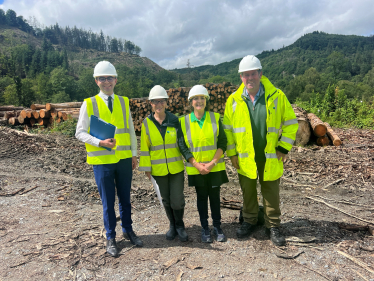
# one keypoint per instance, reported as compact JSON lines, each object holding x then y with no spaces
{"x":178,"y":101}
{"x":42,"y":114}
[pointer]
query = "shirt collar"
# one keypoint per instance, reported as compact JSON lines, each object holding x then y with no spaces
{"x":105,"y":97}
{"x":194,"y":118}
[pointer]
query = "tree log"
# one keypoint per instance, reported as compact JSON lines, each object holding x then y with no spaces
{"x":35,"y":114}
{"x":13,"y":121}
{"x":44,"y":121}
{"x":44,"y":113}
{"x":323,"y":141}
{"x":319,"y":129}
{"x":32,"y":121}
{"x":49,"y":106}
{"x":10,"y":107}
{"x":22,"y":120}
{"x":26,"y":113}
{"x":3,"y":122}
{"x":333,"y":136}
{"x":36,"y":106}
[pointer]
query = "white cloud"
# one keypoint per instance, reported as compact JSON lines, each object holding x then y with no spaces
{"x":203,"y":31}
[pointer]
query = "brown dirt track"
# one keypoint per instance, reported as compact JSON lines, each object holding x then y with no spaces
{"x":55,"y":231}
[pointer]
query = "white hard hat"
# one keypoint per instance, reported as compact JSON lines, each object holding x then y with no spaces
{"x":157,"y":92}
{"x":198,"y":90}
{"x":249,"y":63}
{"x":104,"y":68}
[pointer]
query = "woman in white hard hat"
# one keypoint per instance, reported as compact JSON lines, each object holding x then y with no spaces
{"x":203,"y":144}
{"x":160,"y":157}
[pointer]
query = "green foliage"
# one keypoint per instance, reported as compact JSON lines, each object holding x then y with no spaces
{"x":66,"y":128}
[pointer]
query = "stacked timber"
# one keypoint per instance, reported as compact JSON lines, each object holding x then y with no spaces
{"x":178,"y":101}
{"x":41,"y":114}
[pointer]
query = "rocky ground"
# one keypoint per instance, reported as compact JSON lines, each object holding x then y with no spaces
{"x":51,"y":219}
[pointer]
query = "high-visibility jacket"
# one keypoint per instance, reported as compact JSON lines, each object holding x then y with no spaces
{"x":157,"y":155}
{"x":202,"y":142}
{"x":238,"y":129}
{"x":119,"y":118}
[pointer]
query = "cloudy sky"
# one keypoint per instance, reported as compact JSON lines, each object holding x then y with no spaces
{"x":203,"y":31}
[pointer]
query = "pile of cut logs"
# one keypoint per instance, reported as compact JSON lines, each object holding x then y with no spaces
{"x":309,"y":122}
{"x":42,"y":114}
{"x":178,"y":101}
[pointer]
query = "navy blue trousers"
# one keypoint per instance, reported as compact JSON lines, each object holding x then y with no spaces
{"x":110,"y":177}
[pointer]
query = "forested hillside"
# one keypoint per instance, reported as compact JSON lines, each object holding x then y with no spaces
{"x":330,"y":75}
{"x":55,"y":64}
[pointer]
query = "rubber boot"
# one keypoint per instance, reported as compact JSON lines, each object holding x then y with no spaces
{"x":179,"y":225}
{"x":170,"y":235}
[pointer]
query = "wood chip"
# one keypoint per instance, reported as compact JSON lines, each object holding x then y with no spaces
{"x":353,"y":227}
{"x":190,"y":266}
{"x":304,"y":239}
{"x":179,"y":276}
{"x":286,"y":256}
{"x":28,"y":190}
{"x":171,"y":262}
{"x":55,"y":211}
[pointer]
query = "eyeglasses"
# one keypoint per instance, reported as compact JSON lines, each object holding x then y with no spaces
{"x":155,"y":102}
{"x":103,"y":79}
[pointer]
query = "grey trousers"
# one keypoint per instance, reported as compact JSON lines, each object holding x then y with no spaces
{"x":171,"y":189}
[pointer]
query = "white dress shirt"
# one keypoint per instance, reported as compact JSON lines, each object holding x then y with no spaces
{"x":84,"y":123}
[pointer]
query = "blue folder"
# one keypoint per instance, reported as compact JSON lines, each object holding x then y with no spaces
{"x":101,"y":129}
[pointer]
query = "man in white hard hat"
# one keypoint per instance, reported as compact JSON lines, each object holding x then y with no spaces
{"x":254,"y":114}
{"x":113,"y":167}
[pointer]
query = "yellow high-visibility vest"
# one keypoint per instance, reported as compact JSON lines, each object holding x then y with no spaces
{"x":119,"y":118}
{"x":202,"y":142}
{"x":159,"y":156}
{"x":238,"y":129}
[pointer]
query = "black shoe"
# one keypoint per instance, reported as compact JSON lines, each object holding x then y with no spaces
{"x":179,"y":225}
{"x":111,"y":247}
{"x":205,"y":235}
{"x":135,"y":240}
{"x":218,"y":233}
{"x":172,"y":233}
{"x":275,"y":236}
{"x":245,"y":230}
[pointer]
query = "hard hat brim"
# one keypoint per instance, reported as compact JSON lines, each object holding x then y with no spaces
{"x":158,"y":97}
{"x":104,"y":75}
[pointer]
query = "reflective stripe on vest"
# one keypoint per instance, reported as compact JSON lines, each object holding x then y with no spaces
{"x":189,"y":136}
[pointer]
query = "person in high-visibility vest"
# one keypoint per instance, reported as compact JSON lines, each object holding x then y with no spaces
{"x":202,"y":144}
{"x":113,"y":159}
{"x":161,"y":159}
{"x":254,"y":115}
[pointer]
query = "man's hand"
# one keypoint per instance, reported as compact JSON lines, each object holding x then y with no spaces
{"x":235,"y":162}
{"x":281,"y":155}
{"x":148,"y":174}
{"x":109,"y":143}
{"x":135,"y":163}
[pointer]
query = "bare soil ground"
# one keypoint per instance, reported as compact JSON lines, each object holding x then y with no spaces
{"x":51,"y":219}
